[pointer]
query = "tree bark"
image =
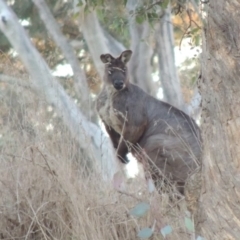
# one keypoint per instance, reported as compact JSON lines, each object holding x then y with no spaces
{"x":220,"y":90}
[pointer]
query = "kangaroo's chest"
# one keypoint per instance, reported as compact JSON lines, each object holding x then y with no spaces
{"x":111,"y":114}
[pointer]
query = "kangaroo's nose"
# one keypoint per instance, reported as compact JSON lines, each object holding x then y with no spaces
{"x":118,"y":85}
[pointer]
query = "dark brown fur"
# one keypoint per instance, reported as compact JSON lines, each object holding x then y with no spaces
{"x":166,"y":135}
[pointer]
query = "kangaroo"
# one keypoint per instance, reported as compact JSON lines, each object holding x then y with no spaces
{"x":155,"y":132}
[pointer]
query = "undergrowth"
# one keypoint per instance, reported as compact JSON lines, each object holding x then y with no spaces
{"x":48,"y":192}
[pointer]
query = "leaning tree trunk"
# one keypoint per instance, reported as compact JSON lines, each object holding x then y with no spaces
{"x":220,"y":89}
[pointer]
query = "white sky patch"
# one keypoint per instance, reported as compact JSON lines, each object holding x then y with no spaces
{"x":11,"y":2}
{"x":49,"y":108}
{"x":187,"y":51}
{"x":24,"y":22}
{"x":13,"y":53}
{"x":49,"y":127}
{"x":63,"y":70}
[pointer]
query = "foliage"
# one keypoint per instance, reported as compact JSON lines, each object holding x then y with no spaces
{"x":189,"y":224}
{"x":145,"y":233}
{"x":166,"y":230}
{"x":143,"y":209}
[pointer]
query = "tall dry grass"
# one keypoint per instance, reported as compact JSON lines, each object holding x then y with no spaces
{"x":46,"y":191}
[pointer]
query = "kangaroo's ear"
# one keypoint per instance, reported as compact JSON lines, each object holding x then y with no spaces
{"x":106,"y":58}
{"x":125,"y":56}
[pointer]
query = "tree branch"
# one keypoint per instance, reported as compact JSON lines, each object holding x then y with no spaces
{"x":89,"y":136}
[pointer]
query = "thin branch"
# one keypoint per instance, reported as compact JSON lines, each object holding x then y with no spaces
{"x":56,"y":33}
{"x":189,"y":13}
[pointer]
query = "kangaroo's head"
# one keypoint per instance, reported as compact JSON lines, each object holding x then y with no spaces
{"x":116,"y":72}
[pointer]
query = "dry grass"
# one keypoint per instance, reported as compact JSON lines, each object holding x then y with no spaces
{"x":46,"y":192}
{"x":44,"y":198}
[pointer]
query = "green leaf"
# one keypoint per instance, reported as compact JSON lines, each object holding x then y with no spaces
{"x":145,"y":233}
{"x":152,"y":16}
{"x":196,"y":40}
{"x":189,"y":224}
{"x":166,"y":230}
{"x":195,"y":30}
{"x":164,"y":4}
{"x":140,"y":209}
{"x":80,"y":3}
{"x":140,"y":19}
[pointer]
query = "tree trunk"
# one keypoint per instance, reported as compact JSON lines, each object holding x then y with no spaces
{"x":95,"y":38}
{"x":220,"y":90}
{"x":139,"y":66}
{"x":80,"y":81}
{"x":98,"y":40}
{"x":166,"y":60}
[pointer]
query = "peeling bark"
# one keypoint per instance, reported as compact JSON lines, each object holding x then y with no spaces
{"x":220,"y":90}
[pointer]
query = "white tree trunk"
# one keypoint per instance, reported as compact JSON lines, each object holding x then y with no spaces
{"x":89,"y":136}
{"x":54,"y":30}
{"x":140,"y":67}
{"x":167,"y":69}
{"x":114,"y":46}
{"x":95,"y":38}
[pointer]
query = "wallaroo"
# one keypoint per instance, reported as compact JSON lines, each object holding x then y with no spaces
{"x":166,"y":140}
